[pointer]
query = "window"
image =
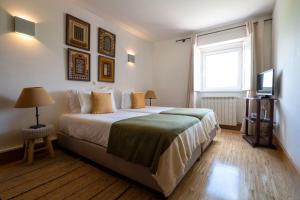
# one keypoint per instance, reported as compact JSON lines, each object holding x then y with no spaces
{"x":221,"y":67}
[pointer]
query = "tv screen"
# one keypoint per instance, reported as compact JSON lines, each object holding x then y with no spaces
{"x":265,"y":83}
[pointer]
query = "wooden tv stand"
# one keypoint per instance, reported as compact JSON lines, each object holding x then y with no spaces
{"x":257,"y":138}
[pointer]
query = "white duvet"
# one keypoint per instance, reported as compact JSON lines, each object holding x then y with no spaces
{"x":93,"y":127}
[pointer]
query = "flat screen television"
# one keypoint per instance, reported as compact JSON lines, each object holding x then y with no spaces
{"x":265,"y":83}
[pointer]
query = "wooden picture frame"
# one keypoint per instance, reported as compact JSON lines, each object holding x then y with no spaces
{"x":79,"y":65}
{"x":106,"y":69}
{"x":106,"y":43}
{"x":77,"y":33}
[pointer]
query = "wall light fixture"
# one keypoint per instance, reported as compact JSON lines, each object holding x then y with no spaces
{"x":24,"y":26}
{"x":131,"y":58}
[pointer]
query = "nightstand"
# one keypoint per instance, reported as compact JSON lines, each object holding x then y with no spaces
{"x":31,"y":135}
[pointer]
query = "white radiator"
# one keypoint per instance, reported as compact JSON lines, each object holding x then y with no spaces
{"x":225,"y":108}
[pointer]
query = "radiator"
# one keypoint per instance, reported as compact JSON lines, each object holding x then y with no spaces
{"x":225,"y":108}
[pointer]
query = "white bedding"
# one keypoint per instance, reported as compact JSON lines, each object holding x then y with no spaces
{"x":93,"y":127}
{"x":149,"y":109}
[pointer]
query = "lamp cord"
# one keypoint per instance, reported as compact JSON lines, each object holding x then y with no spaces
{"x":37,"y":116}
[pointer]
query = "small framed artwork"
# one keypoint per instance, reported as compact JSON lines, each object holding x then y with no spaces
{"x":78,"y":65}
{"x":106,"y":42}
{"x":106,"y":69}
{"x":77,"y":33}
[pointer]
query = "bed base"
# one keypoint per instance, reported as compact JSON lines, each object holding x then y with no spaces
{"x":133,"y":171}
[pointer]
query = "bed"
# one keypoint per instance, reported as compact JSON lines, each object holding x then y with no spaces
{"x":89,"y":136}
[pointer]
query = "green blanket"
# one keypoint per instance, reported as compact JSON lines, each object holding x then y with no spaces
{"x":193,"y":112}
{"x":142,"y":140}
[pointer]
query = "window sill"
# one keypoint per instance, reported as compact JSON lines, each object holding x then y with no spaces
{"x":235,"y":93}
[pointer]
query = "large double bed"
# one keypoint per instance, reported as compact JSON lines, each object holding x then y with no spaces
{"x":140,"y":144}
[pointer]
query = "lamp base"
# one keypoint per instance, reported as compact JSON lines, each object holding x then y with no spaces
{"x":37,"y":126}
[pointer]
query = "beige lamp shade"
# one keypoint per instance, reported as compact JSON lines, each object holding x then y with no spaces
{"x":150,"y":94}
{"x":33,"y":97}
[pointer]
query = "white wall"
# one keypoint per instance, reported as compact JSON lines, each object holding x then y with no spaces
{"x":41,"y":61}
{"x":287,"y":60}
{"x":170,"y":72}
{"x":171,"y":67}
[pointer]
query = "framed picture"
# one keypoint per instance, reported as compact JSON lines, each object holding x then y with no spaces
{"x":78,"y":65}
{"x":106,"y":69}
{"x":77,"y":33}
{"x":106,"y":42}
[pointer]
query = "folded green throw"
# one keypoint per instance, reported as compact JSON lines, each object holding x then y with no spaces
{"x":142,"y":140}
{"x":193,"y":112}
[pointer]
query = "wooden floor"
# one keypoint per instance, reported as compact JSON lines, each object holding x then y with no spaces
{"x":230,"y":169}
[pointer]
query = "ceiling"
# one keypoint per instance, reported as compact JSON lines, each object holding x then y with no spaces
{"x":156,"y":20}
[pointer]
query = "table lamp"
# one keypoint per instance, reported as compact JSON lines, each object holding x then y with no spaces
{"x":150,"y":94}
{"x":34,"y":97}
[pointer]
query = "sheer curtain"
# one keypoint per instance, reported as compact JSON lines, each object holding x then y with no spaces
{"x":193,"y":81}
{"x":249,"y":60}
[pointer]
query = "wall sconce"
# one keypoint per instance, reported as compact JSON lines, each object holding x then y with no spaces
{"x":24,"y":26}
{"x":131,"y":58}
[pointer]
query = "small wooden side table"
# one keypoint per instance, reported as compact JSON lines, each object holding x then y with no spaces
{"x":30,"y":135}
{"x":257,"y":139}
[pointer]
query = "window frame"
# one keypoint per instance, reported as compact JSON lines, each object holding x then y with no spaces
{"x":218,"y":49}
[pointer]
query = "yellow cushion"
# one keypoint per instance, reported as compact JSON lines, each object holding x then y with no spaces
{"x":137,"y":100}
{"x":101,"y":103}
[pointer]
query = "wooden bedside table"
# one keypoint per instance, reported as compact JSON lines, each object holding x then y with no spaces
{"x":30,"y":135}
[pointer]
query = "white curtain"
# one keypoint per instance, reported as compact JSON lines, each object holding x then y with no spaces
{"x":193,"y":74}
{"x":253,"y":58}
{"x":250,"y":60}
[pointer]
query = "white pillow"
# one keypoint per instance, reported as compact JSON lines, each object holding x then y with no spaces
{"x":73,"y":101}
{"x":86,"y":103}
{"x":126,"y":100}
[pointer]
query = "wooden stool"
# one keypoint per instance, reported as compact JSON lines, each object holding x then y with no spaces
{"x":30,"y":135}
